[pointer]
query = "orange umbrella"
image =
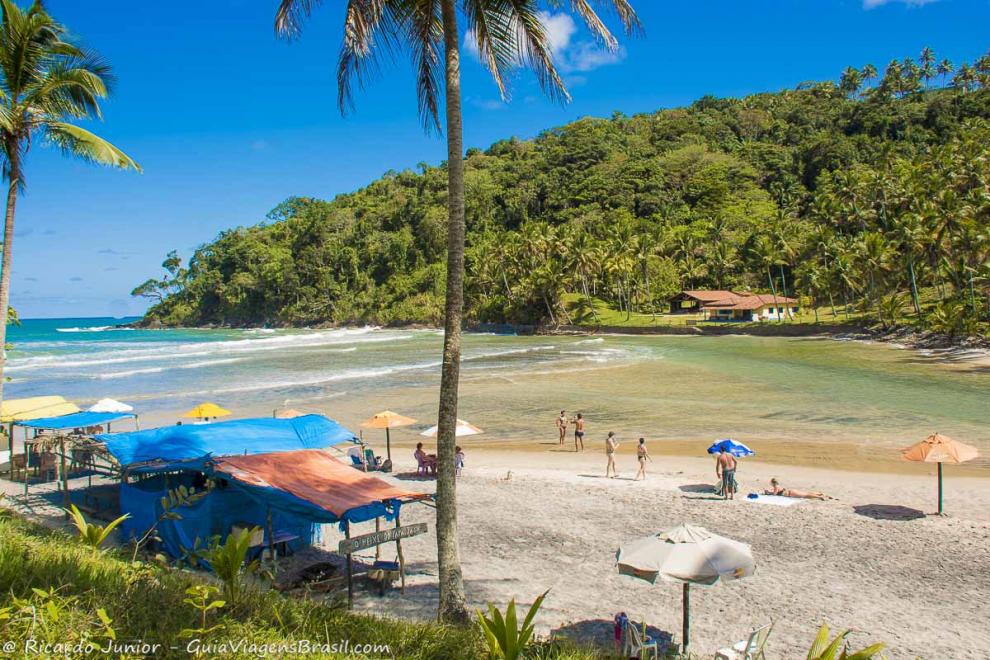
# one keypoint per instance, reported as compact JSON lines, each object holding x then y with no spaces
{"x":387,"y":420}
{"x":939,"y":449}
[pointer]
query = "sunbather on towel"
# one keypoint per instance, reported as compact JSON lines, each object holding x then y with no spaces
{"x":777,"y":489}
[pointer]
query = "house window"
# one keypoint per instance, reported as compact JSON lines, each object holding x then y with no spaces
{"x":780,"y":310}
{"x":794,"y":309}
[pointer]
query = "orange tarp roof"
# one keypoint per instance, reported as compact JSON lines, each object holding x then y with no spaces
{"x":315,"y":476}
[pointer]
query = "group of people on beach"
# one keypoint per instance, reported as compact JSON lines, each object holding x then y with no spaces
{"x":611,"y":444}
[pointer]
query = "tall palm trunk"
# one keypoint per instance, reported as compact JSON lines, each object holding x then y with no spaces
{"x":8,"y":240}
{"x":773,"y":289}
{"x":452,"y":607}
{"x":783,"y":286}
{"x":914,"y":288}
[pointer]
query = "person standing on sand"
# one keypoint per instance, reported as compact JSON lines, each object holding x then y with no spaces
{"x":579,"y":433}
{"x":725,"y":469}
{"x":562,"y":426}
{"x":611,"y":444}
{"x":641,"y":455}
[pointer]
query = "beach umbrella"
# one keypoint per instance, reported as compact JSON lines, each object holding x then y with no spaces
{"x":687,"y":554}
{"x":205,"y":410}
{"x":387,"y":420}
{"x":939,"y":449}
{"x":110,"y":406}
{"x":463,"y":428}
{"x":733,"y":447}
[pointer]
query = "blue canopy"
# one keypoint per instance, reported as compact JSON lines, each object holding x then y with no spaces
{"x":75,"y":420}
{"x":170,"y":445}
{"x":737,"y":449}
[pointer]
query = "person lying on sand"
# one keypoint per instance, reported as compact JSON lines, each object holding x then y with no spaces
{"x":777,"y":489}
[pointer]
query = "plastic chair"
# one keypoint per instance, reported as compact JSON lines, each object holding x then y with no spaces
{"x":639,"y":645}
{"x":751,"y":648}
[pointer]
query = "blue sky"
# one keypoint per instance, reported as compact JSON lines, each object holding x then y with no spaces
{"x":227,"y":121}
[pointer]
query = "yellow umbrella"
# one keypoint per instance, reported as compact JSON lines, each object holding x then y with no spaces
{"x":387,"y":420}
{"x":19,"y":410}
{"x":939,"y":449}
{"x":206,"y":410}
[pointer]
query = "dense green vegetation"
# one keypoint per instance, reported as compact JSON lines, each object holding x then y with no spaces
{"x":58,"y":591}
{"x":864,"y":192}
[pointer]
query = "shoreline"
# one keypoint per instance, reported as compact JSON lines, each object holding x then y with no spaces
{"x":905,"y":336}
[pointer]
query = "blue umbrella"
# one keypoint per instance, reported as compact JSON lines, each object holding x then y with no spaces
{"x":737,"y":449}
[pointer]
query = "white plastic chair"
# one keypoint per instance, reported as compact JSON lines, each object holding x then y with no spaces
{"x":636,"y":646}
{"x":748,"y":649}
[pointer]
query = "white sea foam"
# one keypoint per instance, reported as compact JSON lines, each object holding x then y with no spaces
{"x":174,"y":351}
{"x":157,"y":370}
{"x":94,"y":328}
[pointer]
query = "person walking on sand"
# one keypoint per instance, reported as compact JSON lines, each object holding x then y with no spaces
{"x":641,"y":455}
{"x":579,"y":433}
{"x":725,"y":469}
{"x":562,"y":426}
{"x":611,"y":444}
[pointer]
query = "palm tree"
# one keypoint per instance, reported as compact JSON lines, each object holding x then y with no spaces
{"x":944,"y":68}
{"x":45,"y":82}
{"x":506,"y":34}
{"x":851,"y":81}
{"x":927,"y":62}
{"x":868,"y":73}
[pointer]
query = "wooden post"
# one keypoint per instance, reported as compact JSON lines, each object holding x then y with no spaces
{"x":350,"y":568}
{"x":388,"y":444}
{"x":378,"y":528}
{"x":271,"y":539}
{"x":402,"y":561}
{"x":65,"y":478}
{"x":687,"y":618}
{"x":939,"y":488}
{"x":27,"y":465}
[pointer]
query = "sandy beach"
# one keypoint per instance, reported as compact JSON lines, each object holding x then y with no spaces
{"x":870,"y":560}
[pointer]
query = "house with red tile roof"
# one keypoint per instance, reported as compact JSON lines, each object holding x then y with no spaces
{"x":734,"y":305}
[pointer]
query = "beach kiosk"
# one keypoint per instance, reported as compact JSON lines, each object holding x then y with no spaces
{"x":274,"y":474}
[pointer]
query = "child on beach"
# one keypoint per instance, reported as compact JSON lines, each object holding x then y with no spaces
{"x":611,"y":444}
{"x":641,"y":455}
{"x":458,"y":460}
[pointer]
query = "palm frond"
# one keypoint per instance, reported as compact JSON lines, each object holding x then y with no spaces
{"x":621,"y":8}
{"x":425,"y":29}
{"x":370,"y":27}
{"x":290,"y":15}
{"x":81,"y":143}
{"x":534,"y":45}
{"x":489,"y":23}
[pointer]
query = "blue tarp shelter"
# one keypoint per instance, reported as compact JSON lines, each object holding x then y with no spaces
{"x":193,"y":456}
{"x":75,"y":420}
{"x":171,"y":447}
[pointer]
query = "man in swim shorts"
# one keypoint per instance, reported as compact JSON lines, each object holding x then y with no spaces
{"x":725,"y":469}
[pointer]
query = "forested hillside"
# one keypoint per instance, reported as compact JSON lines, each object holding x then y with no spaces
{"x":873,"y":191}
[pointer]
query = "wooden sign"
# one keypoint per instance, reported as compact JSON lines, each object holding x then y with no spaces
{"x":347,"y":546}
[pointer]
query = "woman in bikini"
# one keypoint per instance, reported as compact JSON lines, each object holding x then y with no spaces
{"x":777,"y":489}
{"x":641,"y":455}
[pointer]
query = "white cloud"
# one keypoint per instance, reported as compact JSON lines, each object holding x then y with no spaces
{"x":569,"y":54}
{"x":873,"y":4}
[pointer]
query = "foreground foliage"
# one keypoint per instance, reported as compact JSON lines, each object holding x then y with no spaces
{"x":504,"y":635}
{"x":58,"y":591}
{"x":843,"y":194}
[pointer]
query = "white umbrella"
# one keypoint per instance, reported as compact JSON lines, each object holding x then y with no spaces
{"x":110,"y":406}
{"x":463,"y":428}
{"x":687,"y":554}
